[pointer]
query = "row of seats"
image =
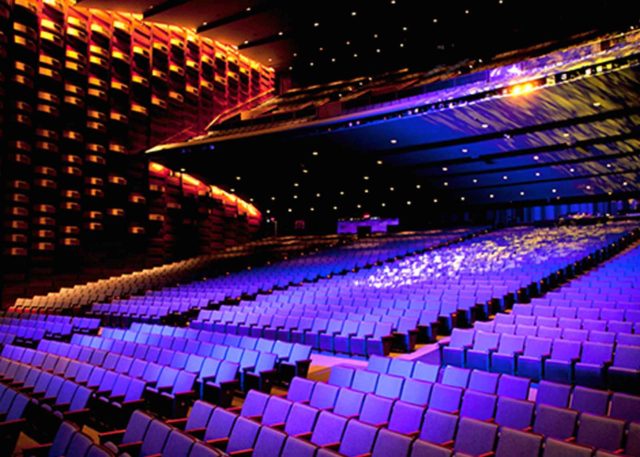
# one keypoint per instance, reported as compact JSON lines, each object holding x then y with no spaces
{"x":594,"y":364}
{"x":69,"y":441}
{"x":570,"y":329}
{"x":260,"y":358}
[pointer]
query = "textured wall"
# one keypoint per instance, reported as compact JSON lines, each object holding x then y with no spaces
{"x":82,"y":94}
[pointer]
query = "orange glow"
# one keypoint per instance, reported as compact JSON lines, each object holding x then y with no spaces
{"x":521,"y":89}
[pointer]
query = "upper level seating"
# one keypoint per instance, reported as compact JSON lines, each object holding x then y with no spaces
{"x":586,"y":332}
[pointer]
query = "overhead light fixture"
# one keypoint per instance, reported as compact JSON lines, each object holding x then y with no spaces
{"x":393,"y":141}
{"x":366,"y":178}
{"x":312,"y":209}
{"x":354,"y":13}
{"x":462,"y":199}
{"x":295,"y":184}
{"x":446,"y":184}
{"x":475,"y":181}
{"x":465,"y":150}
{"x":391,"y":189}
{"x":289,"y":210}
{"x":379,"y":162}
{"x":315,"y":153}
{"x":316,"y":24}
{"x":491,"y":196}
{"x":485,"y":126}
{"x":445,"y":169}
{"x":295,"y":197}
{"x":553,"y":191}
{"x":435,"y":200}
{"x":383,"y":204}
{"x":409,"y":202}
{"x":418,"y":186}
{"x":536,"y":157}
{"x":505,"y":177}
{"x":522,"y":193}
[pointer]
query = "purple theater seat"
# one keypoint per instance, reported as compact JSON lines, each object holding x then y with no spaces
{"x":558,"y":448}
{"x":590,"y":370}
{"x":376,"y":410}
{"x":300,"y":390}
{"x":564,"y":355}
{"x":358,"y":439}
{"x":294,"y":447}
{"x":530,"y":363}
{"x":504,"y":359}
{"x":269,"y":443}
{"x":378,"y":364}
{"x":624,"y":373}
{"x":425,"y":449}
{"x":389,"y":443}
{"x":324,"y":396}
{"x":365,"y":381}
{"x":389,"y":386}
{"x":300,"y":420}
{"x":349,"y":402}
{"x":514,"y":387}
{"x":328,"y":430}
{"x":554,"y":394}
{"x":341,"y":376}
{"x":600,"y":432}
{"x":453,"y":352}
{"x":426,"y":371}
{"x":406,"y":418}
{"x":514,"y":442}
{"x":478,"y":357}
{"x":438,"y":427}
{"x":555,"y":422}
{"x":446,"y":398}
{"x":515,"y":414}
{"x":475,"y":437}
{"x":478,"y":405}
{"x":593,"y":401}
{"x":483,"y":381}
{"x":416,"y":392}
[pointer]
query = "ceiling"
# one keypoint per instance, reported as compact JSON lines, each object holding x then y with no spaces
{"x":562,"y":142}
{"x":330,"y":40}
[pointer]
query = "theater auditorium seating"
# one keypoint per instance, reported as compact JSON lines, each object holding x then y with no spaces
{"x":389,"y":307}
{"x":587,"y":332}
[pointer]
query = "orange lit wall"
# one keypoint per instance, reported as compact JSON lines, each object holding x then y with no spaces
{"x":82,"y":93}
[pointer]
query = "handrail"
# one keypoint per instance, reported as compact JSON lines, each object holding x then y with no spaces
{"x":230,"y":112}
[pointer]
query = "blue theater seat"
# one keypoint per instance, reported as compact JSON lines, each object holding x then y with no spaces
{"x":454,"y":351}
{"x":438,"y":427}
{"x":513,"y":413}
{"x":269,"y":443}
{"x":328,"y":430}
{"x":478,"y":356}
{"x":514,"y":442}
{"x":406,"y":418}
{"x":555,"y":422}
{"x":560,"y":366}
{"x":590,"y":371}
{"x":389,"y":443}
{"x":475,"y":437}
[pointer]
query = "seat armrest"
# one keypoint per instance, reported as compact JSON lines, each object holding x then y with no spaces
{"x":244,"y":452}
{"x":219,"y":443}
{"x":114,"y":436}
{"x":178,"y":423}
{"x":304,"y":436}
{"x":40,"y":450}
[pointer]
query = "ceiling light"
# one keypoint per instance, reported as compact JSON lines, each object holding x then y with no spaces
{"x":391,"y":189}
{"x":465,"y":150}
{"x":505,"y":177}
{"x":445,"y":169}
{"x":295,"y":184}
{"x":318,"y":195}
{"x":315,"y":153}
{"x":335,"y":208}
{"x":232,"y":190}
{"x":435,"y":200}
{"x":273,"y":198}
{"x":537,"y":173}
{"x":378,"y":50}
{"x":366,"y":191}
{"x":312,"y":209}
{"x":404,"y":29}
{"x":316,"y":24}
{"x":393,"y":141}
{"x":290,"y":68}
{"x":402,"y":45}
{"x":588,"y":187}
{"x":536,"y":157}
{"x":246,"y":41}
{"x":572,"y":170}
{"x":485,"y":126}
{"x":597,"y":104}
{"x":625,"y":183}
{"x":409,"y":202}
{"x":289,"y":210}
{"x":522,"y":193}
{"x":566,"y":135}
{"x":248,"y":8}
{"x":466,"y":11}
{"x":305,"y":171}
{"x":435,"y":20}
{"x":475,"y":181}
{"x":238,"y":178}
{"x":355,"y":55}
{"x":554,"y":191}
{"x":383,"y":204}
{"x":418,"y":186}
{"x":342,"y":192}
{"x":366,"y":178}
{"x":379,"y":162}
{"x":354,"y":13}
{"x":608,"y":165}
{"x":280,"y":33}
{"x":333,"y":59}
{"x":311,"y":64}
{"x":446,"y":184}
{"x":295,"y":197}
{"x":491,"y":196}
{"x":358,"y":206}
{"x":462,"y":199}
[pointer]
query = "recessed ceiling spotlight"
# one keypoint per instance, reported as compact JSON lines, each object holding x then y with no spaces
{"x":366,"y":191}
{"x":536,"y":157}
{"x":295,"y":197}
{"x":305,"y":171}
{"x":379,"y":162}
{"x":355,"y":55}
{"x":312,"y":209}
{"x":378,"y":50}
{"x":366,"y":178}
{"x":318,"y":195}
{"x":435,"y":200}
{"x":466,"y":11}
{"x":553,"y":191}
{"x":597,"y":104}
{"x":522,"y":193}
{"x":248,"y":8}
{"x":625,"y":183}
{"x":571,"y":170}
{"x":358,"y":206}
{"x":475,"y":181}
{"x":418,"y":186}
{"x":491,"y":196}
{"x":316,"y":24}
{"x":335,"y":208}
{"x":354,"y":13}
{"x":315,"y":153}
{"x":391,"y":189}
{"x":342,"y":192}
{"x":393,"y":141}
{"x":273,"y":198}
{"x":280,"y":33}
{"x":402,"y":45}
{"x":505,"y":177}
{"x":462,"y":199}
{"x":445,"y":169}
{"x":383,"y":204}
{"x":435,"y":20}
{"x":446,"y":184}
{"x":409,"y":202}
{"x":246,"y":41}
{"x":295,"y":184}
{"x":465,"y":150}
{"x":608,"y":165}
{"x":289,"y":210}
{"x":537,"y":173}
{"x":405,"y":29}
{"x":238,"y":178}
{"x":485,"y":126}
{"x":333,"y":59}
{"x":588,"y":187}
{"x":311,"y":64}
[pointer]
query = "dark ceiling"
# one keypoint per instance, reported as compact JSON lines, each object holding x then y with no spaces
{"x":331,"y":40}
{"x":562,"y":143}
